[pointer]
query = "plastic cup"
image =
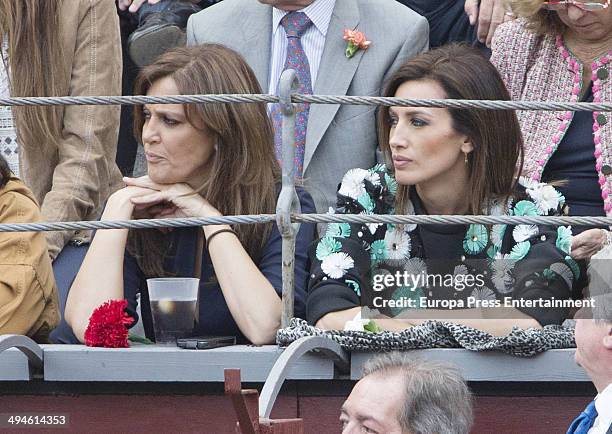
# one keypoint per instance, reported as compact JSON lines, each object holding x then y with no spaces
{"x":173,"y":307}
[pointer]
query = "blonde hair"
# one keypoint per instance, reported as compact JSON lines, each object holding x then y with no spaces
{"x":540,"y":21}
{"x":35,"y":59}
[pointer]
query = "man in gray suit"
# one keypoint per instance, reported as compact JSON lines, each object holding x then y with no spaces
{"x":338,"y":137}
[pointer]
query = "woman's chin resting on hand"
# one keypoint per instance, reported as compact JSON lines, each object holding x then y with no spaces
{"x":196,"y":168}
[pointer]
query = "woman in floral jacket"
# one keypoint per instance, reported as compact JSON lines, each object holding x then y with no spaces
{"x":444,"y":161}
{"x":562,"y":51}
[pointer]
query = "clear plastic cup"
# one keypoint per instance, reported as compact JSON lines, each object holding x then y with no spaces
{"x":173,"y":307}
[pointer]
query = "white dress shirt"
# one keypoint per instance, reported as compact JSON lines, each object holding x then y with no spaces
{"x":603,"y":405}
{"x":313,"y":40}
{"x":9,"y":148}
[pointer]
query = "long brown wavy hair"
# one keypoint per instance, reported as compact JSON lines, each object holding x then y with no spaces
{"x":464,"y":73}
{"x":5,"y":172}
{"x":244,"y":172}
{"x":34,"y":59}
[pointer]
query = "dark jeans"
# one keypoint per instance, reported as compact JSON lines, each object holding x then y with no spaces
{"x":65,"y":268}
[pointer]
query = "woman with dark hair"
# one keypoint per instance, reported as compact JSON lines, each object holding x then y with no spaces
{"x":562,"y":51}
{"x":204,"y":160}
{"x":441,"y":162}
{"x":28,"y":296}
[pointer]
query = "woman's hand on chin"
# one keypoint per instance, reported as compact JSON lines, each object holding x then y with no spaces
{"x":169,"y":200}
{"x":120,"y":207}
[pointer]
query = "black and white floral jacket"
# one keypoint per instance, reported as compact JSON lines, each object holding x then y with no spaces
{"x":476,"y":266}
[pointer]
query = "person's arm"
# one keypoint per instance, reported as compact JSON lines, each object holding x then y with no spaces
{"x":487,"y":15}
{"x":250,"y":297}
{"x":589,"y":242}
{"x":541,"y":270}
{"x":133,"y":5}
{"x":341,"y":263}
{"x":88,"y":141}
{"x":100,"y":277}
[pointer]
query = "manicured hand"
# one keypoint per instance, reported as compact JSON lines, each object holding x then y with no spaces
{"x":170,"y":200}
{"x":134,"y":5}
{"x":487,"y":17}
{"x":587,"y":243}
{"x":120,"y":207}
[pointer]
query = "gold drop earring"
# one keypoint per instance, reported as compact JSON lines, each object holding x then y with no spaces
{"x":466,"y":157}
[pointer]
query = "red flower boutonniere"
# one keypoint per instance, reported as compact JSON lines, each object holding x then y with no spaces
{"x":356,"y":41}
{"x":108,"y":326}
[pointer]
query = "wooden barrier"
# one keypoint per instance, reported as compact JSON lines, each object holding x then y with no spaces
{"x":150,"y":388}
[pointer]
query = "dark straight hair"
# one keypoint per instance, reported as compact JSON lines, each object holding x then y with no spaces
{"x":5,"y":172}
{"x":464,"y":73}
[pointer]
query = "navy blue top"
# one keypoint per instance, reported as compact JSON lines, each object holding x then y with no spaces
{"x":214,"y":315}
{"x":574,"y":163}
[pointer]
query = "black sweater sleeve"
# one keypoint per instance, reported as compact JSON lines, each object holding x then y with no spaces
{"x":326,"y":294}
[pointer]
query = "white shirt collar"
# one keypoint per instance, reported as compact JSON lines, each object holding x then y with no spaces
{"x":319,"y":12}
{"x":603,"y":405}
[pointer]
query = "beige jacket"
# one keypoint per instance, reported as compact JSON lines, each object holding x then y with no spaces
{"x":73,"y":180}
{"x":28,"y":296}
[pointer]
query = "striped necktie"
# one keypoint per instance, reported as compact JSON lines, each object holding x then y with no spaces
{"x":295,"y":24}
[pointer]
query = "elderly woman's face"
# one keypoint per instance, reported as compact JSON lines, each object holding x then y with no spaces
{"x":591,"y":26}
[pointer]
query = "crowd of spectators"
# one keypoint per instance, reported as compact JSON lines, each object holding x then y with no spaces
{"x":65,"y":163}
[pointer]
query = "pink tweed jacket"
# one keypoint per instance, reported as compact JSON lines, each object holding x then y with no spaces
{"x":540,"y":68}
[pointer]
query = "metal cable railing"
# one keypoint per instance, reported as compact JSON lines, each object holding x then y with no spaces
{"x":313,"y":99}
{"x":307,"y":218}
{"x":288,"y":215}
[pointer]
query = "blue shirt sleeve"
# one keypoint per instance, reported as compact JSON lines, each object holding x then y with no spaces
{"x":270,"y":263}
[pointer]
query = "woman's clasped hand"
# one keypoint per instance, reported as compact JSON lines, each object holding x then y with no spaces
{"x":203,"y":160}
{"x":149,"y":199}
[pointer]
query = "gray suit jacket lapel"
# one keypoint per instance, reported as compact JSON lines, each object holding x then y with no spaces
{"x":335,"y":73}
{"x":257,"y":36}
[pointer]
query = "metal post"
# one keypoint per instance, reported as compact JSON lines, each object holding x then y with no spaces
{"x":288,"y":201}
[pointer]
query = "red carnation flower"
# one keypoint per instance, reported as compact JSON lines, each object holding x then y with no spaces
{"x":108,"y":326}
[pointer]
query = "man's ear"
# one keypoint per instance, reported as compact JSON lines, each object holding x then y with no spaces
{"x":607,"y":340}
{"x":467,"y":146}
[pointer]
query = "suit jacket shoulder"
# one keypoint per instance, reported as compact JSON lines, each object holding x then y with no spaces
{"x":399,"y":17}
{"x":217,"y":22}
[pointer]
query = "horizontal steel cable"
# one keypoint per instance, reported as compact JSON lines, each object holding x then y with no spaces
{"x":315,"y":99}
{"x":137,"y":224}
{"x":306,"y":218}
{"x":454,"y":103}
